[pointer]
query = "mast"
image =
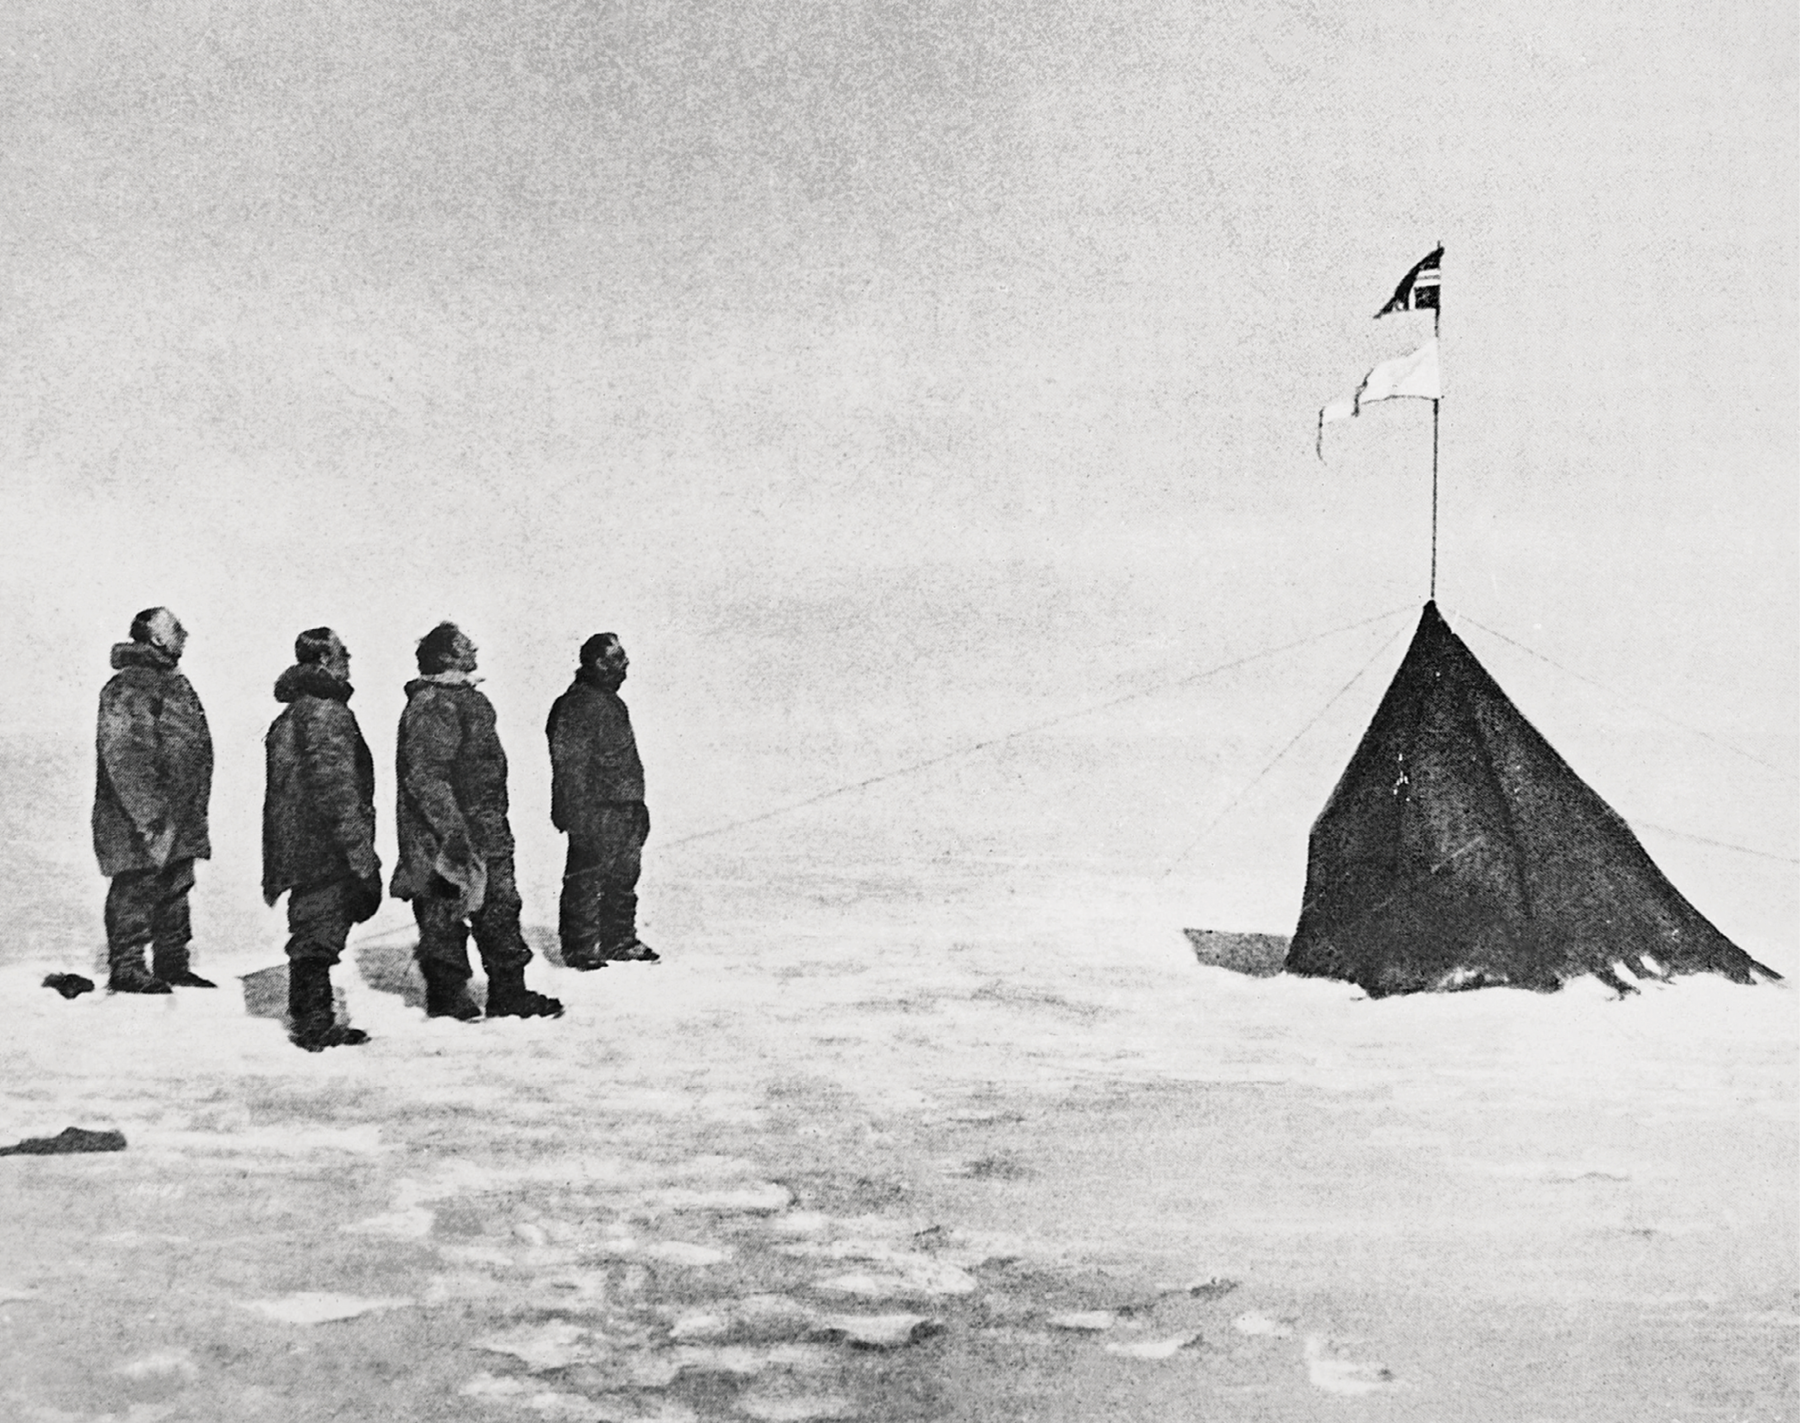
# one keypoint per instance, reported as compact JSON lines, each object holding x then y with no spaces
{"x":1437,"y":312}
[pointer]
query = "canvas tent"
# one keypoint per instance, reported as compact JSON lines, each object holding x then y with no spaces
{"x":1459,"y":850}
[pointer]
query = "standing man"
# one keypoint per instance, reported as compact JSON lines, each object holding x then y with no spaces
{"x":152,"y":782}
{"x":456,"y":847}
{"x":597,"y":797}
{"x":319,"y":830}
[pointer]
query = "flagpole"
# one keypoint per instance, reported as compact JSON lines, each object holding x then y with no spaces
{"x":1434,"y":497}
{"x":1436,"y":314}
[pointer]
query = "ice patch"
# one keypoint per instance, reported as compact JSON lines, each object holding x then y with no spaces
{"x":755,"y":1318}
{"x":878,"y":1331}
{"x":462,"y":1285}
{"x":15,"y":1294}
{"x":634,"y":1368}
{"x":801,"y":1223}
{"x":488,"y":1386}
{"x":554,"y":1345}
{"x":722,"y":1359}
{"x":475,"y":1255}
{"x":783,"y":1407}
{"x":319,"y":1307}
{"x":563,"y":1407}
{"x":1328,"y":1369}
{"x":413,"y":1224}
{"x":682,"y":1252}
{"x":163,"y":1364}
{"x":270,"y":1141}
{"x":912,"y":1277}
{"x":699,"y":1327}
{"x":1154,"y":1348}
{"x":791,"y":1358}
{"x":762,"y":1198}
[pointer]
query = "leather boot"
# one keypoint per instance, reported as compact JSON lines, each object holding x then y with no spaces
{"x":633,"y":950}
{"x":128,"y":974}
{"x":447,"y":993}
{"x":508,"y":997}
{"x":171,"y":966}
{"x":312,"y":1012}
{"x":584,"y":956}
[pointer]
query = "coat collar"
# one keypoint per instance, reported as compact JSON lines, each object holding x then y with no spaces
{"x":141,"y":654}
{"x":309,"y":679}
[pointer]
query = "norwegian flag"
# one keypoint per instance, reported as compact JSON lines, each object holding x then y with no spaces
{"x":1418,"y":289}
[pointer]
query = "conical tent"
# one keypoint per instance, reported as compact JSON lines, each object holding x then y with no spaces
{"x":1460,"y":850}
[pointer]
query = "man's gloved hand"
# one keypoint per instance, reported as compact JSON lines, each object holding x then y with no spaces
{"x":366,"y":897}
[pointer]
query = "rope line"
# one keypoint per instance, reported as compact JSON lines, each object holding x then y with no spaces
{"x":1633,"y":701}
{"x":1232,"y":804}
{"x":1721,"y":844}
{"x":914,"y":767}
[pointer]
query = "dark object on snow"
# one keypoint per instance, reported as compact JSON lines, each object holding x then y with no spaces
{"x":67,"y":1142}
{"x":1259,"y":955}
{"x":70,"y":985}
{"x":1459,"y":850}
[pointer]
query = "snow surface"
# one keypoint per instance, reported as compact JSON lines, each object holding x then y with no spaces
{"x":912,"y":1089}
{"x":822,"y":1163}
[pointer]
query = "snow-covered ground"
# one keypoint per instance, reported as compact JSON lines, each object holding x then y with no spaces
{"x":887,"y":1142}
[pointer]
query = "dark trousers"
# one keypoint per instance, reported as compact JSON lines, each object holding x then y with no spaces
{"x":319,"y":920}
{"x":151,"y":907}
{"x":599,"y":891}
{"x":444,"y":929}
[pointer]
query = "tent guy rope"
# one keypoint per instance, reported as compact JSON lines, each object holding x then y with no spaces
{"x":988,"y":743}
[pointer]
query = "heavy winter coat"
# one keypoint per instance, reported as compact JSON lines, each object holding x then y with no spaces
{"x":452,"y":773}
{"x":319,"y":795}
{"x":593,"y":756}
{"x":154,"y":762}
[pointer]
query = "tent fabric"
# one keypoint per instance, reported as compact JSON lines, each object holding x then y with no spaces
{"x":1459,"y":850}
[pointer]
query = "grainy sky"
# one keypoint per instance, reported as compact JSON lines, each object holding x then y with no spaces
{"x":894,"y":375}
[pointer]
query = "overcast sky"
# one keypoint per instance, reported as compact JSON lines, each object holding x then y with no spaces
{"x":892,"y":375}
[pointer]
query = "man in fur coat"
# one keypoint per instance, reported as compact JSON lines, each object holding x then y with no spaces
{"x":152,"y":781}
{"x":597,"y":797}
{"x":456,"y":847}
{"x":319,"y":830}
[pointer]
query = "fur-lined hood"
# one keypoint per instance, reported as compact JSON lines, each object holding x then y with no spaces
{"x":309,"y":679}
{"x":141,"y":654}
